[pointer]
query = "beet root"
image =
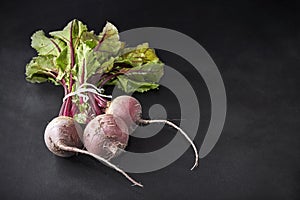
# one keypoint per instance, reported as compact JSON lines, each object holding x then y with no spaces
{"x":106,"y":135}
{"x":127,"y":108}
{"x":63,"y":130}
{"x":130,"y":110}
{"x":63,"y":138}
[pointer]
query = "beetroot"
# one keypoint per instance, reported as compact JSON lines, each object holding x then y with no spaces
{"x":63,"y":130}
{"x":106,"y":135}
{"x":62,"y":137}
{"x":129,"y":109}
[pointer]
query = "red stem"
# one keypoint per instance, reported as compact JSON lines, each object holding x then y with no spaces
{"x":82,"y":78}
{"x":62,"y":108}
{"x":94,"y":105}
{"x":65,"y":86}
{"x":109,"y":78}
{"x":100,"y":42}
{"x":68,"y":108}
{"x":73,"y":109}
{"x":56,"y":45}
{"x":68,"y":104}
{"x":72,"y":56}
{"x":100,"y":101}
{"x":63,"y":83}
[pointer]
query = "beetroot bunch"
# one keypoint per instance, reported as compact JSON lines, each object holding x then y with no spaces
{"x":84,"y":63}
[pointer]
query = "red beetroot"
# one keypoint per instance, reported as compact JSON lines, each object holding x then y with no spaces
{"x":130,"y":110}
{"x":105,"y":136}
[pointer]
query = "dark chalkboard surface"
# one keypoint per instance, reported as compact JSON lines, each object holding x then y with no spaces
{"x":256,"y":47}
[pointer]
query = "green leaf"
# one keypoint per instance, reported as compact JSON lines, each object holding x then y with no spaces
{"x":106,"y":66}
{"x":138,"y":56}
{"x":150,"y":72}
{"x":141,"y":67}
{"x":63,"y":60}
{"x":44,"y":45}
{"x":141,"y":78}
{"x":104,"y":52}
{"x":90,"y":39}
{"x":73,"y":31}
{"x":129,"y":86}
{"x":87,"y":63}
{"x":41,"y":69}
{"x":108,"y":44}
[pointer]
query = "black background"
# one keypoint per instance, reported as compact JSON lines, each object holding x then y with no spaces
{"x":256,"y":48}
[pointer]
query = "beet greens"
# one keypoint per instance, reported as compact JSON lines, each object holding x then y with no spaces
{"x":77,"y":58}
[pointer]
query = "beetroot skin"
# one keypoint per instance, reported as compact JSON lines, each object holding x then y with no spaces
{"x":127,"y":108}
{"x":106,"y":136}
{"x":63,"y":130}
